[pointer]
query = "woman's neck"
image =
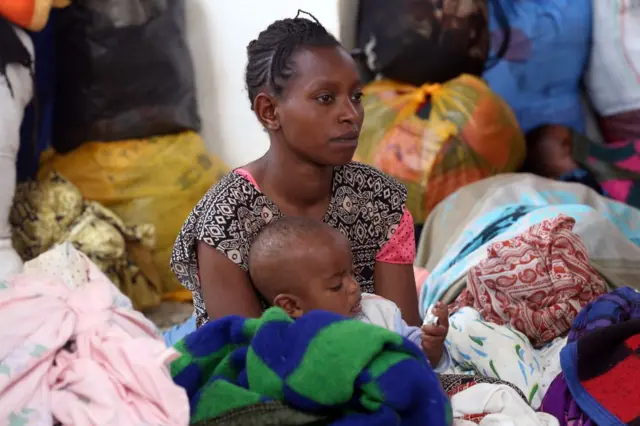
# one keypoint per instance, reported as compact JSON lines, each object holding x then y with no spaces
{"x":293,"y":182}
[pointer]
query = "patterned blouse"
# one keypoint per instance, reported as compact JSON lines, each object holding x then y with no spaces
{"x":367,"y":206}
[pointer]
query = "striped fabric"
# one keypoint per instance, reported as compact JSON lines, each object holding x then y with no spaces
{"x":321,"y":363}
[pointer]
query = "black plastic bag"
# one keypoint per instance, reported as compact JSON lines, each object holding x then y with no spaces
{"x":124,"y":71}
{"x":423,"y":41}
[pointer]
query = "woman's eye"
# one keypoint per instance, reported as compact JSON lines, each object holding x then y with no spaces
{"x":357,"y":97}
{"x":324,"y":99}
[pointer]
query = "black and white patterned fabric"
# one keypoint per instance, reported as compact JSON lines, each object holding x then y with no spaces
{"x":366,"y":206}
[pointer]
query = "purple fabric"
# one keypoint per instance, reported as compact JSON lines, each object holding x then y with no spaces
{"x":622,"y":304}
{"x":559,"y":403}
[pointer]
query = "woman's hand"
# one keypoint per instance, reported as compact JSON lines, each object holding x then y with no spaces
{"x":226,"y":288}
{"x":397,"y":283}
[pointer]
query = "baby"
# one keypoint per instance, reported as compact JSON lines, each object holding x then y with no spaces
{"x":300,"y":264}
{"x":550,"y":153}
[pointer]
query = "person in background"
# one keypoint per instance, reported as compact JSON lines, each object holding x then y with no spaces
{"x":551,"y":153}
{"x":306,"y":92}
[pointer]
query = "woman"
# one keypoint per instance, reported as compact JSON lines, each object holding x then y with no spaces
{"x":305,"y":91}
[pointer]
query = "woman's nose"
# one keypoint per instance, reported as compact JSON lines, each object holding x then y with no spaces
{"x":349,"y":112}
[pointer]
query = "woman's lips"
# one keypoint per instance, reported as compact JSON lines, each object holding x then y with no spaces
{"x":347,"y":137}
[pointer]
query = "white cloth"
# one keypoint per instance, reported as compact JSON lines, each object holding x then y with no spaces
{"x":501,"y":404}
{"x":501,"y":352}
{"x":613,"y":75}
{"x":491,"y":350}
{"x":11,"y":113}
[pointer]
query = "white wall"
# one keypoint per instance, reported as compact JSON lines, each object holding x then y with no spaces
{"x":219,"y":31}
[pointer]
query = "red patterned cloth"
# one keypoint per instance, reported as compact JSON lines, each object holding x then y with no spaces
{"x":537,"y":281}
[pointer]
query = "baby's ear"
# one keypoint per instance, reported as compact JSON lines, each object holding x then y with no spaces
{"x":290,"y":304}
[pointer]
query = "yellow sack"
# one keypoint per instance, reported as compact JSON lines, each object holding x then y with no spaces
{"x":157,"y":181}
{"x":470,"y":134}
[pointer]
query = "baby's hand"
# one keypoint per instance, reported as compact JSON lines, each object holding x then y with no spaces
{"x":433,"y":336}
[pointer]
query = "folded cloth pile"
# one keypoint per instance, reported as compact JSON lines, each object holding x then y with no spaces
{"x":501,"y":405}
{"x":74,"y":352}
{"x":353,"y":373}
{"x":537,"y":281}
{"x":600,"y":364}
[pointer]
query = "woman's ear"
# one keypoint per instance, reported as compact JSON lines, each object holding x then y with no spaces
{"x":290,"y":304}
{"x":264,"y":106}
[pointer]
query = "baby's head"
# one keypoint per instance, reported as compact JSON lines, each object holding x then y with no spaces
{"x":550,"y":151}
{"x":300,"y":264}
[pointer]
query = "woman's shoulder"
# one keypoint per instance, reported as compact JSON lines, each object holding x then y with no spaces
{"x":362,"y":177}
{"x":232,"y":188}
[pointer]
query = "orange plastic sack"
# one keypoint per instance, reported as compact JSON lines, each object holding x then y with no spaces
{"x":156,"y":181}
{"x":29,"y":14}
{"x":470,"y":134}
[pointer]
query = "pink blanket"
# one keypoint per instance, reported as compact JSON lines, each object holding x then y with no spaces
{"x":538,"y":281}
{"x":73,"y":353}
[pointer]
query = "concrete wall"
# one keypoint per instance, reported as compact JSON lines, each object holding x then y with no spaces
{"x":219,"y":31}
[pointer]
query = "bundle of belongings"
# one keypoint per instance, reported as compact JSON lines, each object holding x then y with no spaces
{"x":436,"y":139}
{"x":53,"y":211}
{"x":326,"y":369}
{"x":430,"y":121}
{"x":529,"y":291}
{"x":31,"y":15}
{"x":74,"y":352}
{"x":154,"y":181}
{"x":139,"y":155}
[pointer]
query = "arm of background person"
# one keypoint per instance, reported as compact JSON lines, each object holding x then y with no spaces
{"x":397,"y":283}
{"x":226,"y":288}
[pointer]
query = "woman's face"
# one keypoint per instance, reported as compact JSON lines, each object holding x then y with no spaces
{"x":320,"y":112}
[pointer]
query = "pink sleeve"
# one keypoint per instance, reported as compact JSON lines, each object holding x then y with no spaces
{"x":401,"y":246}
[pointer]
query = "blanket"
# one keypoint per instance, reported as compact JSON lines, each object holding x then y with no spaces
{"x":462,"y":227}
{"x":73,"y":351}
{"x":602,"y":371}
{"x":321,"y":363}
{"x":537,"y":282}
{"x":605,"y":313}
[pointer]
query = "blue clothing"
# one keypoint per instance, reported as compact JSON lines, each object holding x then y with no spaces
{"x":541,"y":72}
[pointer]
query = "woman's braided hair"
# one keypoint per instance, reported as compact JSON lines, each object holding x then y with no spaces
{"x":270,"y":65}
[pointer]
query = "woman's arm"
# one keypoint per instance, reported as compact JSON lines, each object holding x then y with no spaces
{"x":226,"y":288}
{"x":393,"y":278}
{"x":396,"y":282}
